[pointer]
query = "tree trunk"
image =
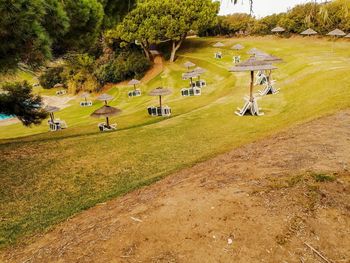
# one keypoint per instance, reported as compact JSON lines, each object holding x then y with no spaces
{"x":175,"y":47}
{"x":146,"y":51}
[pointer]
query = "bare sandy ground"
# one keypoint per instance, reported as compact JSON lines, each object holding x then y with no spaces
{"x":258,"y":203}
{"x":156,"y":69}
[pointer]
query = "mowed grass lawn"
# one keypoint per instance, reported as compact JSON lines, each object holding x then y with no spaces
{"x":47,"y":177}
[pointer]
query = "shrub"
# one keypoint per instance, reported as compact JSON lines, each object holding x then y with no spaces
{"x":51,"y":77}
{"x":125,"y":66}
{"x":321,"y":178}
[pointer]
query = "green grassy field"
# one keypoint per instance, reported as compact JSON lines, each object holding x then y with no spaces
{"x":47,"y":177}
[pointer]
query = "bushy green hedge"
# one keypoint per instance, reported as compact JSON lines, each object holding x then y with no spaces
{"x":52,"y":76}
{"x":126,"y":65}
{"x":322,"y":17}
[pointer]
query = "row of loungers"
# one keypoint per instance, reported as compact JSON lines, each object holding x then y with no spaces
{"x":134,"y":93}
{"x":250,"y":108}
{"x":164,"y":111}
{"x":186,"y":92}
{"x":85,"y":103}
{"x":218,"y":55}
{"x":57,"y":125}
{"x":199,"y":84}
{"x":104,"y":127}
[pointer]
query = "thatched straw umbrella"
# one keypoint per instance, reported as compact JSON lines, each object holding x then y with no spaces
{"x":85,"y":95}
{"x":237,"y":47}
{"x":106,"y":112}
{"x":189,"y":65}
{"x":134,"y":82}
{"x":58,"y":85}
{"x":269,"y":59}
{"x":309,"y":32}
{"x":199,"y":71}
{"x":160,"y":91}
{"x":336,"y":33}
{"x":252,"y":64}
{"x":51,"y":110}
{"x":254,"y":51}
{"x":347,"y":36}
{"x":278,"y":30}
{"x":105,"y":97}
{"x":190,"y":76}
{"x":219,"y":44}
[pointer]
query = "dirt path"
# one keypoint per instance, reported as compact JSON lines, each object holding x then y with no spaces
{"x":156,"y":69}
{"x":258,"y":203}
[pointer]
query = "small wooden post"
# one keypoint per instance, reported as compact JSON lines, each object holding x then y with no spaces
{"x":107,"y":121}
{"x":160,"y":102}
{"x":251,"y":86}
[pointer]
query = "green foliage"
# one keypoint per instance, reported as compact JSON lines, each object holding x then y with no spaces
{"x":127,"y":65}
{"x":85,"y":23}
{"x":23,"y":36}
{"x":79,"y":73}
{"x":115,"y":10}
{"x":17,"y":99}
{"x":52,"y":76}
{"x":321,"y":178}
{"x":321,"y":17}
{"x":163,"y":20}
{"x":230,"y":25}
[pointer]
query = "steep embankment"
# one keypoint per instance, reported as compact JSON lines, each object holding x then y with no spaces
{"x":264,"y":202}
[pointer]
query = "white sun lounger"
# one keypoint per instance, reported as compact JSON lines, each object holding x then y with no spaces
{"x":103,"y":127}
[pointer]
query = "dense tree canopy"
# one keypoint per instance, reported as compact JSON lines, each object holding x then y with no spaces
{"x":22,"y":33}
{"x":322,"y":17}
{"x":33,"y":31}
{"x":155,"y":21}
{"x":17,"y":99}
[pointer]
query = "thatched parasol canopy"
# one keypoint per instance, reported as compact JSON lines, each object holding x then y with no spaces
{"x":190,"y":75}
{"x":347,"y":36}
{"x":252,"y":64}
{"x":219,"y":44}
{"x":106,"y":111}
{"x":134,"y":82}
{"x":199,"y":70}
{"x":337,"y":33}
{"x":160,"y":91}
{"x":58,"y":85}
{"x":278,"y":29}
{"x":237,"y":47}
{"x":155,"y":52}
{"x":189,"y":64}
{"x":309,"y":32}
{"x":105,"y":97}
{"x":51,"y":109}
{"x":268,"y":58}
{"x":84,"y":95}
{"x":254,"y":51}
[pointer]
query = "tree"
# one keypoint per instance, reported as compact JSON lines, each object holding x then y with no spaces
{"x":17,"y":99}
{"x":23,"y":36}
{"x":85,"y":18}
{"x":115,"y":10}
{"x":176,"y":20}
{"x":155,"y":21}
{"x":139,"y":25}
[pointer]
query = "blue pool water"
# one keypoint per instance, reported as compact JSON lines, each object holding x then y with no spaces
{"x":5,"y":116}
